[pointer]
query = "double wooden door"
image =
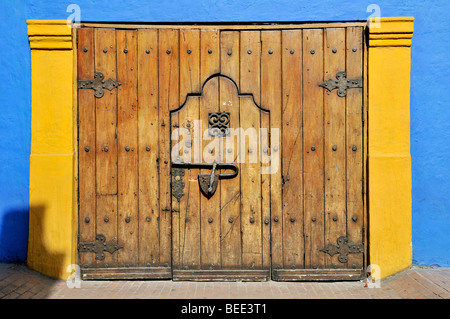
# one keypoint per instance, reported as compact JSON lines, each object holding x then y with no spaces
{"x":221,"y":153}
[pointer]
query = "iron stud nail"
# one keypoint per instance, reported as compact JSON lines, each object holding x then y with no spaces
{"x":210,"y":220}
{"x":209,"y":51}
{"x":106,"y":219}
{"x":189,"y":51}
{"x":147,"y":51}
{"x":106,"y":149}
{"x":127,"y":149}
{"x":334,"y":218}
{"x":127,"y":219}
{"x":354,"y":148}
{"x":313,"y":219}
{"x":266,"y":221}
{"x":168,"y":51}
{"x":105,"y":50}
{"x":229,"y":150}
{"x":292,"y":51}
{"x":147,"y":148}
{"x":354,"y":218}
{"x":249,"y":51}
{"x":85,"y":49}
{"x":252,"y":220}
{"x":270,"y":51}
{"x":275,"y":148}
{"x":265,"y":150}
{"x":230,"y":220}
{"x":87,"y":220}
{"x":229,"y":52}
{"x":250,"y":150}
{"x":334,"y":147}
{"x":292,"y":219}
{"x":334,"y":50}
{"x":354,"y":49}
{"x":125,"y":51}
{"x":313,"y":51}
{"x":275,"y":219}
{"x":148,"y":219}
{"x":313,"y":148}
{"x":86,"y":149}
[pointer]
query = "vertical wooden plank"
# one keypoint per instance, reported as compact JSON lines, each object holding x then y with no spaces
{"x":313,"y":147}
{"x":250,"y":82}
{"x":230,"y":197}
{"x":168,"y":54}
{"x":334,"y":145}
{"x":354,"y":149}
{"x":292,"y":149}
{"x":210,"y":208}
{"x":127,"y":148}
{"x":148,"y":130}
{"x":106,"y":142}
{"x":106,"y":221}
{"x":106,"y":114}
{"x":250,"y":65}
{"x":86,"y":145}
{"x":189,"y":216}
{"x":271,"y":100}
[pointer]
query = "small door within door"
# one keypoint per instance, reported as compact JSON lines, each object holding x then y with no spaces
{"x":218,"y":218}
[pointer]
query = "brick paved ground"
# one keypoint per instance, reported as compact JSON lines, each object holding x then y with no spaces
{"x":18,"y":282}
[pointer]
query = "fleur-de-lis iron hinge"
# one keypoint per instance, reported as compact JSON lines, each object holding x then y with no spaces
{"x":341,"y":83}
{"x":98,"y":84}
{"x":99,"y":246}
{"x":343,"y":248}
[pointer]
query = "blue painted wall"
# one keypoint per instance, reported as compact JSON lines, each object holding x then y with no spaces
{"x":430,"y":111}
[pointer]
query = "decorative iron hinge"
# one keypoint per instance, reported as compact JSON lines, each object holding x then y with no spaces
{"x":343,"y":248}
{"x":342,"y":84}
{"x":98,"y":84}
{"x":99,"y":247}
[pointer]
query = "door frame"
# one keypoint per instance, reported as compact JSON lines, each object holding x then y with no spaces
{"x":386,"y":105}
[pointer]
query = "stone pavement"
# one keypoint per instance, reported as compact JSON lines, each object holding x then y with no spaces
{"x":19,"y":282}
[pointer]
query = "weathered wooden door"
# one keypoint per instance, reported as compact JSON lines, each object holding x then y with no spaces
{"x":221,"y":153}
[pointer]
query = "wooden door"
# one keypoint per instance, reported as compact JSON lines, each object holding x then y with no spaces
{"x":270,"y":118}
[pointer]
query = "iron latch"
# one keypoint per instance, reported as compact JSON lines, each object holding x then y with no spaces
{"x":207,"y":182}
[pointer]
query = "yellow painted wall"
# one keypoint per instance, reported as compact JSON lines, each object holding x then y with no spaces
{"x":389,"y":160}
{"x":52,"y":212}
